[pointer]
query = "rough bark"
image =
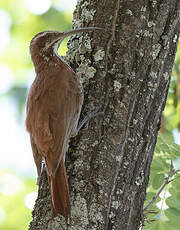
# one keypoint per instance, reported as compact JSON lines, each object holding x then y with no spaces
{"x":127,"y":69}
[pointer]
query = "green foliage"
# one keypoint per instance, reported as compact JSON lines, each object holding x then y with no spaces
{"x":166,"y":209}
{"x":172,"y":109}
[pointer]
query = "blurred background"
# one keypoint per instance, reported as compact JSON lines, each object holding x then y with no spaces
{"x":20,"y":20}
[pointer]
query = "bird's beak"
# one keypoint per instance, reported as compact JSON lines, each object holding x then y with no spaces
{"x":63,"y":35}
{"x":75,"y":31}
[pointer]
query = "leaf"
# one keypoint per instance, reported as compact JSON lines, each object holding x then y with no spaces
{"x":150,"y":195}
{"x":173,"y":214}
{"x":159,"y":225}
{"x":173,"y":203}
{"x":151,"y":226}
{"x":157,"y":166}
{"x":176,"y":146}
{"x":175,"y":150}
{"x":162,"y":225}
{"x":158,"y":181}
{"x":171,"y":225}
{"x":176,"y":184}
{"x":172,"y":191}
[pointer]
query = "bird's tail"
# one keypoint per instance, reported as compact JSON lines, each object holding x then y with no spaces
{"x":60,"y":199}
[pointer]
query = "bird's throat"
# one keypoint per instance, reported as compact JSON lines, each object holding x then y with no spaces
{"x":55,"y":48}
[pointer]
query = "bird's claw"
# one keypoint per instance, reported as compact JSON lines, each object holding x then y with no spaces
{"x":85,"y":121}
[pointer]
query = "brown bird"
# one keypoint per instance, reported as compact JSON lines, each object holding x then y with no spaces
{"x":53,"y":109}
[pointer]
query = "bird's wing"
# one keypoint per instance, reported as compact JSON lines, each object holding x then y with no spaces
{"x":53,"y":110}
{"x":63,"y":124}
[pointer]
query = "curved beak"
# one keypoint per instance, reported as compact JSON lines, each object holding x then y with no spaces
{"x":75,"y":31}
{"x":63,"y":35}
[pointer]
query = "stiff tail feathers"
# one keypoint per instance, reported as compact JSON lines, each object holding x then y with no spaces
{"x":60,"y":200}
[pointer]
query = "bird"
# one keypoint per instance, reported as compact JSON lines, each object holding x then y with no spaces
{"x":53,"y":109}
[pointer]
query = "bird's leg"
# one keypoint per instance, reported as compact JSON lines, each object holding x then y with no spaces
{"x":85,"y":121}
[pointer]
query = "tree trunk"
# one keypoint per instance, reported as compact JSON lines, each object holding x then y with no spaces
{"x":126,"y":69}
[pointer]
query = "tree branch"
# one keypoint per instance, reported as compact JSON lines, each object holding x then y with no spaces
{"x":166,"y":181}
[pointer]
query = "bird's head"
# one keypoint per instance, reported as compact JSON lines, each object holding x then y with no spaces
{"x":46,"y":43}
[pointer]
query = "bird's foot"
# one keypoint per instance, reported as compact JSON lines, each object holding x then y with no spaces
{"x":84,"y":123}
